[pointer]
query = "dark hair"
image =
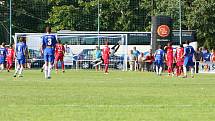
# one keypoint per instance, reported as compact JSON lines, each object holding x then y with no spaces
{"x":159,"y":46}
{"x":22,"y":39}
{"x":106,"y":42}
{"x":181,"y":45}
{"x":187,"y":42}
{"x":48,"y":29}
{"x":170,"y":43}
{"x":3,"y":44}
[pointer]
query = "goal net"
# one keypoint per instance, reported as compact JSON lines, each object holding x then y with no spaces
{"x":80,"y":49}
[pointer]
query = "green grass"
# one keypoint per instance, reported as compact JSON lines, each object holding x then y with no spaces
{"x":119,"y":96}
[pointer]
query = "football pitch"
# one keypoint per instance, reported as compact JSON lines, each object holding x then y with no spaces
{"x":118,"y":96}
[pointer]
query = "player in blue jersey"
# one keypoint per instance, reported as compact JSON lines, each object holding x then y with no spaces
{"x":3,"y":53}
{"x":48,"y":46}
{"x":188,"y":59}
{"x":206,"y":56}
{"x":159,"y":58}
{"x":20,"y":53}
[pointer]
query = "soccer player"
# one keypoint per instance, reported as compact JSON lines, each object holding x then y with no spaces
{"x":113,"y":50}
{"x":169,"y":58}
{"x":97,"y":56}
{"x":10,"y":57}
{"x":59,"y":54}
{"x":3,"y":53}
{"x":188,"y":59}
{"x":106,"y":56}
{"x":48,"y":44}
{"x":20,"y":56}
{"x":179,"y":60}
{"x":159,"y":58}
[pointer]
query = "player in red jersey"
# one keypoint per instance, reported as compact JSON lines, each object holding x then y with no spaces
{"x":169,"y":58}
{"x":59,"y":54}
{"x":105,"y":56}
{"x":179,"y":57}
{"x":10,"y":57}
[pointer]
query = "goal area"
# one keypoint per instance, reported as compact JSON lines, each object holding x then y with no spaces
{"x":80,"y":49}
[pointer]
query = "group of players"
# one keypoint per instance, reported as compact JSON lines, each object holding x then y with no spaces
{"x":183,"y":57}
{"x":53,"y":51}
{"x":6,"y":54}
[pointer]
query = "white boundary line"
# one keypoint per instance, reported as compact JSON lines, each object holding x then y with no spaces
{"x":118,"y":106}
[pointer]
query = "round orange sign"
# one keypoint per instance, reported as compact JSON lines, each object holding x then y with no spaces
{"x":163,"y":30}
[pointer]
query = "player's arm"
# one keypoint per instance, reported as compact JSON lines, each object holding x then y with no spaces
{"x":43,"y":45}
{"x":175,"y":55}
{"x":183,"y":55}
{"x":163,"y":54}
{"x":64,"y":50}
{"x":6,"y":52}
{"x":211,"y":58}
{"x":155,"y":53}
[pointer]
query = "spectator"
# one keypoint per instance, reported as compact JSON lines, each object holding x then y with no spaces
{"x":204,"y":50}
{"x":206,"y":55}
{"x":198,"y":54}
{"x":141,"y":62}
{"x":198,"y":57}
{"x":213,"y":55}
{"x":136,"y":53}
{"x":149,"y":61}
{"x":131,"y":60}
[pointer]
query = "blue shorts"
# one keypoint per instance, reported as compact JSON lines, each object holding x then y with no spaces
{"x":21,"y":61}
{"x":49,"y":58}
{"x":188,"y":62}
{"x":2,"y":61}
{"x":159,"y":63}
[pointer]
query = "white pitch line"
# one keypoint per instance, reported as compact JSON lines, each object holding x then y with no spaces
{"x":118,"y":106}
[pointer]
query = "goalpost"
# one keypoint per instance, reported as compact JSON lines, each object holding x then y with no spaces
{"x":80,"y":49}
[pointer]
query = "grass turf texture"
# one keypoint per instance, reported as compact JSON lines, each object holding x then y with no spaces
{"x":119,"y":96}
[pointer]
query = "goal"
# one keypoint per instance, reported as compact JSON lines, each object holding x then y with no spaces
{"x":80,"y":49}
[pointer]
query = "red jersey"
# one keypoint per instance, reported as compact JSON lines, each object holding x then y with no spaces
{"x":106,"y":53}
{"x":169,"y":53}
{"x":150,"y":58}
{"x":10,"y":53}
{"x":179,"y":54}
{"x":59,"y":50}
{"x":213,"y":57}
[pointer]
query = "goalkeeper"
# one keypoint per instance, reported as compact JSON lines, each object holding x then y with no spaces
{"x":100,"y":60}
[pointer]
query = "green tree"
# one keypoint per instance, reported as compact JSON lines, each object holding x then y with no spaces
{"x":201,"y":18}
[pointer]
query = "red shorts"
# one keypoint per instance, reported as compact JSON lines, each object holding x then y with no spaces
{"x":59,"y":58}
{"x":9,"y":61}
{"x":169,"y":62}
{"x":180,"y":63}
{"x":106,"y":61}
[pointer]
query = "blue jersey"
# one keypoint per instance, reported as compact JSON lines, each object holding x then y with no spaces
{"x":159,"y":54}
{"x":206,"y":56}
{"x":136,"y":53}
{"x":189,"y":52}
{"x":3,"y":53}
{"x":49,"y":42}
{"x":20,"y":50}
{"x":98,"y":54}
{"x":188,"y":56}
